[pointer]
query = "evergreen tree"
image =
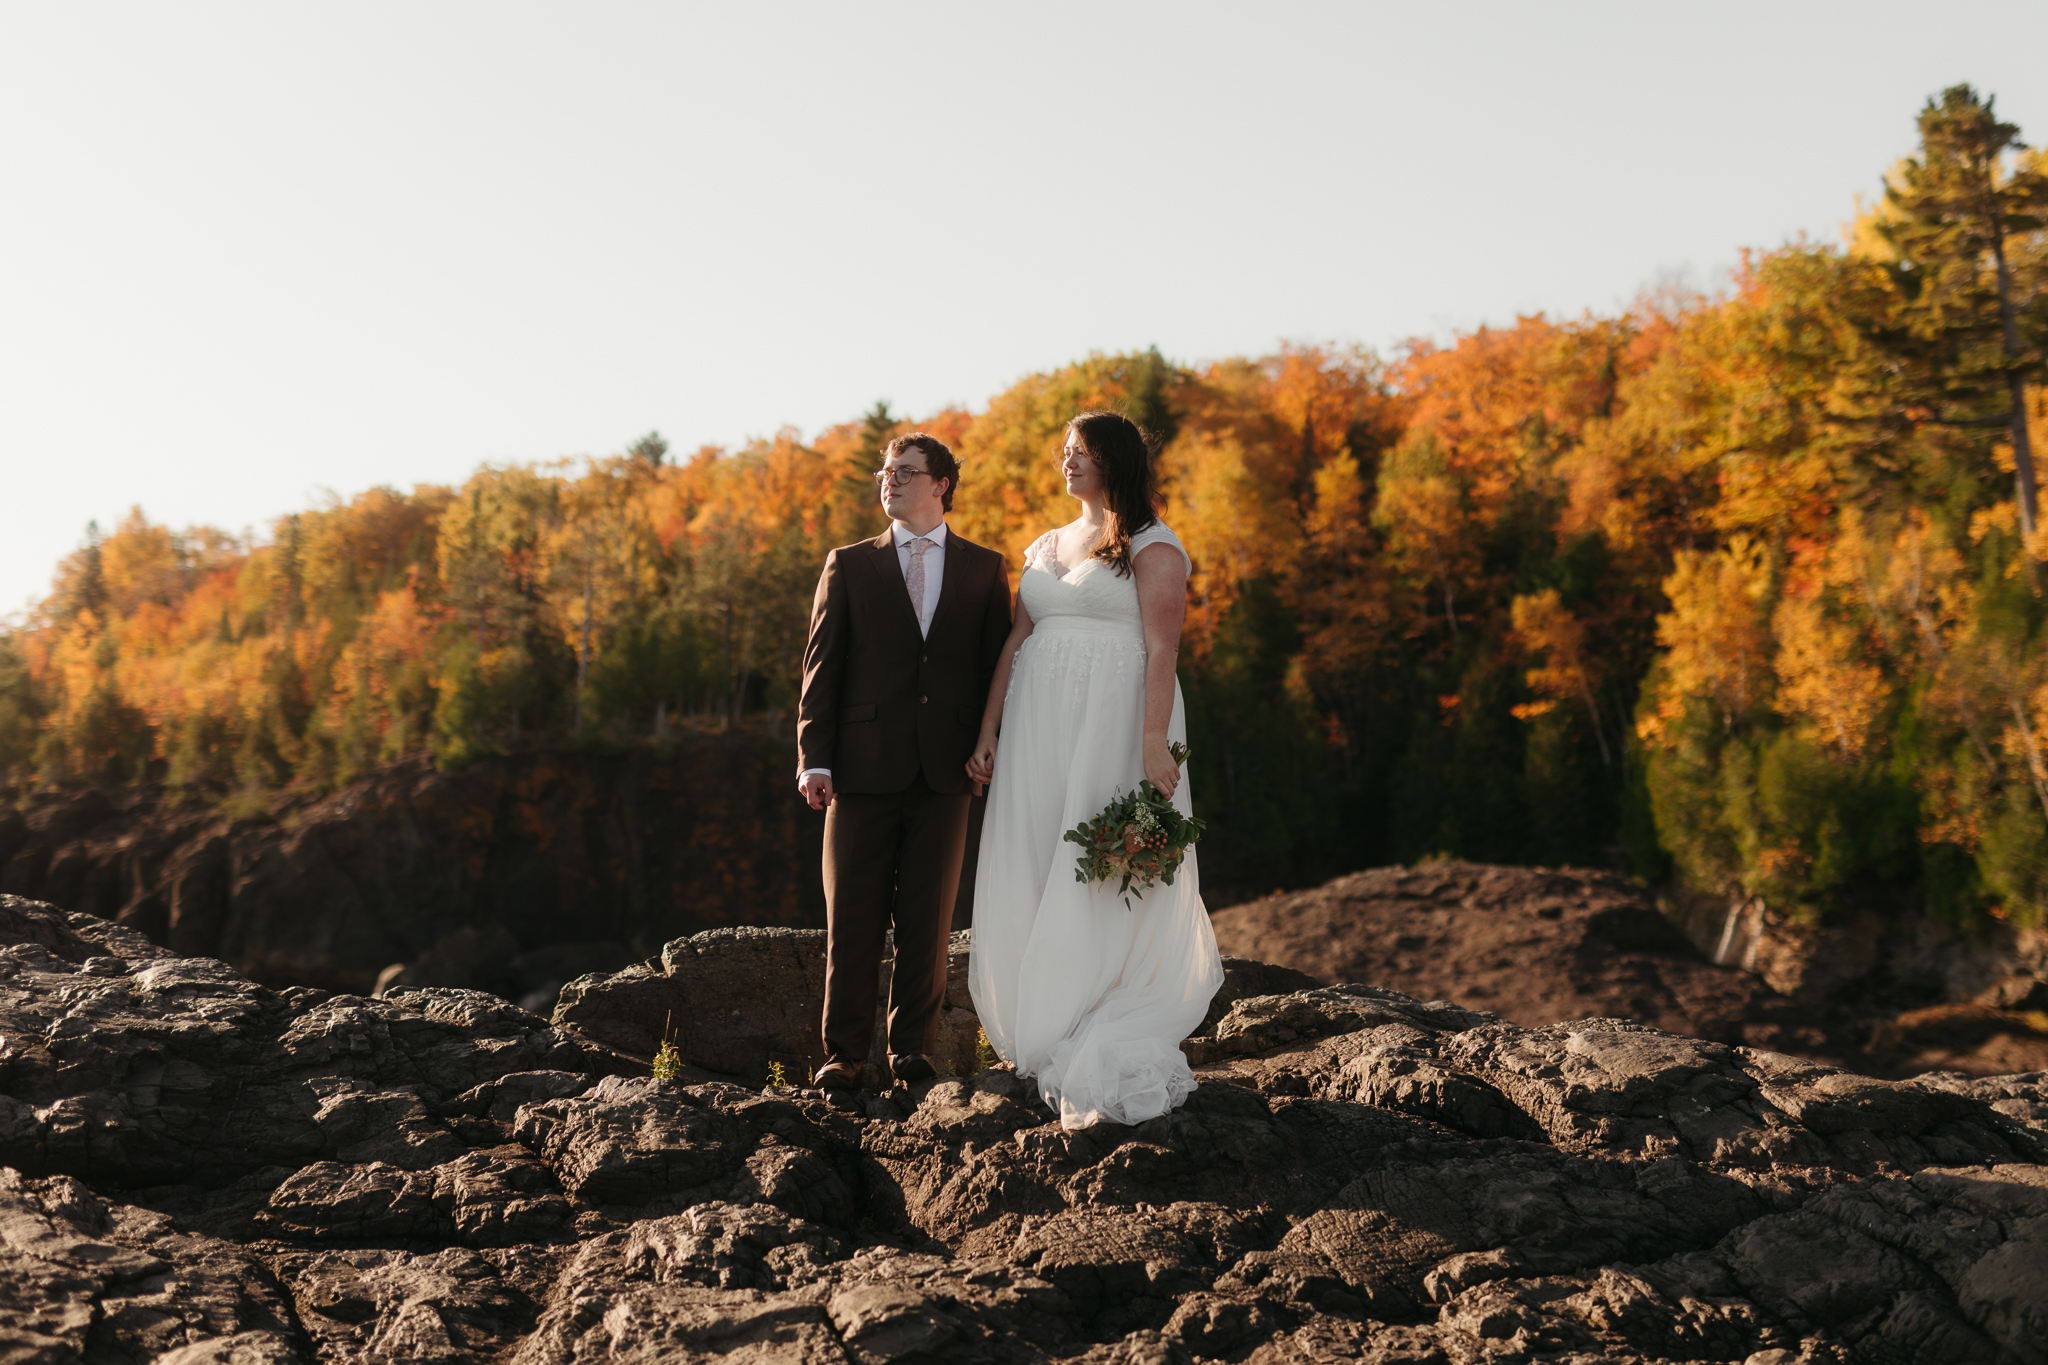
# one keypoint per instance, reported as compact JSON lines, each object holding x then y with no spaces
{"x":1147,"y":401}
{"x":877,"y":426}
{"x":650,"y":450}
{"x":82,"y":584}
{"x":1966,"y":340}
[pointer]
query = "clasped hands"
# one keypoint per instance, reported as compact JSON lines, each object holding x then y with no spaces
{"x":1160,"y":768}
{"x":981,"y":764}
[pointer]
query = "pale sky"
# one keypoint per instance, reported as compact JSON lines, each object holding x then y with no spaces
{"x":251,"y":252}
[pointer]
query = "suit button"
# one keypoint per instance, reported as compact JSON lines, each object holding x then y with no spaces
{"x":922,"y":700}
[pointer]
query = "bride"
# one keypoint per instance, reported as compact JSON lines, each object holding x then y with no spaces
{"x":1089,"y":996}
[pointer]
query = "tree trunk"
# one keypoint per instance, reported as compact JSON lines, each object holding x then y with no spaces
{"x":583,"y":651}
{"x":2036,"y":768}
{"x":2022,"y":448}
{"x":1593,"y":714}
{"x":727,"y":720}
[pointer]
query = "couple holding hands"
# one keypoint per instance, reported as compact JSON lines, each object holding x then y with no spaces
{"x":920,"y":683}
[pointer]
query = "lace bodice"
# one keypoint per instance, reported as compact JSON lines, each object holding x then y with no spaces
{"x":1091,"y":591}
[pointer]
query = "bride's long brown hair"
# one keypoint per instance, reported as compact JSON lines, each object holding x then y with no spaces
{"x":1129,"y":482}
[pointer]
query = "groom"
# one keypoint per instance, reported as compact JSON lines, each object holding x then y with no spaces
{"x":905,"y":632}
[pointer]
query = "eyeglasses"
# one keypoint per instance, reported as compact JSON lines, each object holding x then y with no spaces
{"x":898,"y":476}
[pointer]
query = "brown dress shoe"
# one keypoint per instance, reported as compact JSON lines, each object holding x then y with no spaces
{"x":837,"y":1076}
{"x":915,"y":1067}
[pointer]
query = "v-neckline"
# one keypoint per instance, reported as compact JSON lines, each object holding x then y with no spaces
{"x":1064,"y":574}
{"x":1052,"y":561}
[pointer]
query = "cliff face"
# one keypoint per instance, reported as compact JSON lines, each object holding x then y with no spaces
{"x":519,"y":875}
{"x":509,"y":874}
{"x":195,"y":1168}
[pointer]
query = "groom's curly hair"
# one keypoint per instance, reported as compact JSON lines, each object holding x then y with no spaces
{"x":937,"y":458}
{"x":1123,"y":454}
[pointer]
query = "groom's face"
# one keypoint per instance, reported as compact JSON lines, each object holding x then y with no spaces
{"x":918,"y":489}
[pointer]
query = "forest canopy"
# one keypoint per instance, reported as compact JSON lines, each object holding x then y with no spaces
{"x":1745,"y":587}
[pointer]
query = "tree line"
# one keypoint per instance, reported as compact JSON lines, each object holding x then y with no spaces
{"x":1746,"y":587}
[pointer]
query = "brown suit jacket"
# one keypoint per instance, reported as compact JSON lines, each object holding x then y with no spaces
{"x":879,"y":702}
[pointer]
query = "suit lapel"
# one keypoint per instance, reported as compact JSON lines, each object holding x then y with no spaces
{"x":953,"y":589}
{"x":889,"y":569}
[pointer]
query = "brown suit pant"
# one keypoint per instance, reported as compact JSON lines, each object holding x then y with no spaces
{"x":891,"y":858}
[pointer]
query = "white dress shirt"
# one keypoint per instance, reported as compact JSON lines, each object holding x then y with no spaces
{"x":934,"y":579}
{"x":934,"y":566}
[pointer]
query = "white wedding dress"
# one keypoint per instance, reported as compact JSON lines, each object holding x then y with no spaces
{"x":1076,"y":989}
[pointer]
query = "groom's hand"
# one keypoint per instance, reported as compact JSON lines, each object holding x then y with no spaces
{"x":817,"y":789}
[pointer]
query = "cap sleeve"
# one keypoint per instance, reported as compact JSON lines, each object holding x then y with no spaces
{"x":1159,"y":533}
{"x":1035,"y":552}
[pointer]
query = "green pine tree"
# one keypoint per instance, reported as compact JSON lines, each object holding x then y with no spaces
{"x":1963,"y":221}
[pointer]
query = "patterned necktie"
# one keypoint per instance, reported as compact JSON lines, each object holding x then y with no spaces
{"x":916,"y":577}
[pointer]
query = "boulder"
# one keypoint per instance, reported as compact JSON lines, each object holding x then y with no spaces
{"x":736,"y":1001}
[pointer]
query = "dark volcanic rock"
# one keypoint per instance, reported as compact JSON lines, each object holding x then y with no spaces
{"x":75,"y":938}
{"x":479,"y":1199}
{"x":207,"y":1170}
{"x":1534,"y":945}
{"x":80,"y":1278}
{"x":445,"y":1307}
{"x":628,"y":1141}
{"x":734,"y":1001}
{"x":149,"y":1072}
{"x":574,"y":850}
{"x":1543,"y":945}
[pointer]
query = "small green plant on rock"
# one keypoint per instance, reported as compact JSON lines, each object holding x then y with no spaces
{"x":984,"y":1053}
{"x":777,"y":1077}
{"x":668,"y":1062}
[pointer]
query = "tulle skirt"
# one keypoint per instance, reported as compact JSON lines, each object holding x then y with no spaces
{"x":1079,"y":990}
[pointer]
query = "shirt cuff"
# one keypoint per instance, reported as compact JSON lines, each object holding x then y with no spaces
{"x":808,"y":771}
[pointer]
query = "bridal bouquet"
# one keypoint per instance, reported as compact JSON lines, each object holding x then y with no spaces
{"x":1138,"y":836}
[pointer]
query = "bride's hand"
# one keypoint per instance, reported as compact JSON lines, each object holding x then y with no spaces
{"x":981,"y":764}
{"x":1160,"y":767}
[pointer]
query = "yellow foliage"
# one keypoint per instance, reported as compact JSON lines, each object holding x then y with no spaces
{"x":1547,"y":627}
{"x":1999,"y":516}
{"x":1234,"y":526}
{"x":1544,"y":626}
{"x":1823,"y":678}
{"x":1717,"y":634}
{"x":379,"y":677}
{"x":1336,"y":519}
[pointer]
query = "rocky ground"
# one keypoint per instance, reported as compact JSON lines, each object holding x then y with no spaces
{"x":1538,"y":945}
{"x":198,"y":1168}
